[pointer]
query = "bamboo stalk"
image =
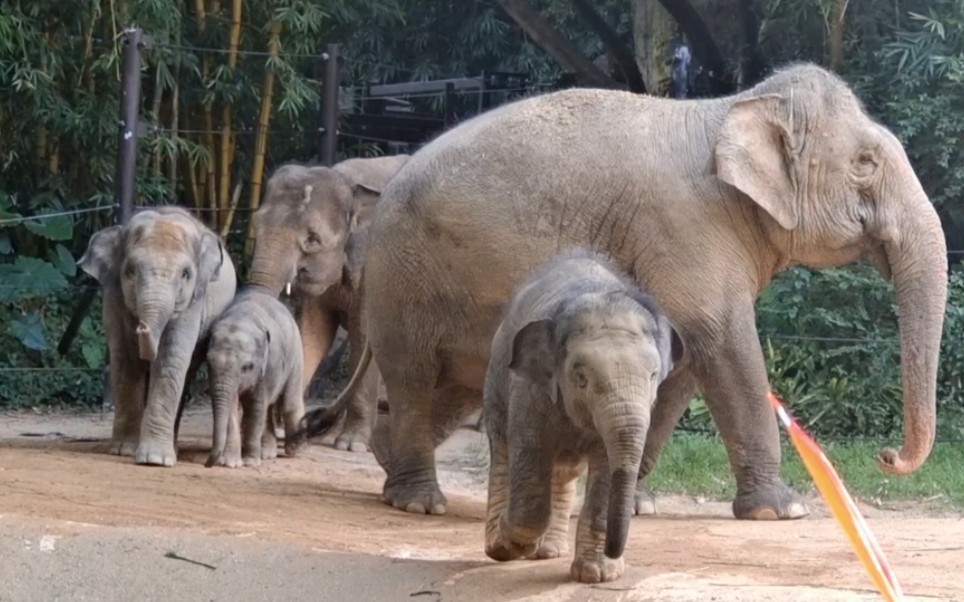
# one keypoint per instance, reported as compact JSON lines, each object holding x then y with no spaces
{"x":261,"y":133}
{"x":226,"y":114}
{"x":156,"y":110}
{"x":229,"y":218}
{"x":175,"y":123}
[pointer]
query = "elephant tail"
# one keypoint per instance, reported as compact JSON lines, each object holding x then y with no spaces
{"x":320,"y":420}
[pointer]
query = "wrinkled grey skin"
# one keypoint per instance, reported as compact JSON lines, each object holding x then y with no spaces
{"x":572,"y":377}
{"x":311,"y":232}
{"x":701,"y":201}
{"x":165,"y":278}
{"x":254,"y":358}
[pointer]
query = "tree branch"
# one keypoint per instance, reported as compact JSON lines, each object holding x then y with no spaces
{"x":700,"y":40}
{"x":837,"y":34}
{"x":753,"y":63}
{"x":610,"y":39}
{"x":553,"y":44}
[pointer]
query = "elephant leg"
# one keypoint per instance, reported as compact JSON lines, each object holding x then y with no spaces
{"x":168,"y":371}
{"x":734,"y":382}
{"x":672,"y":400}
{"x":200,"y":352}
{"x":292,"y":405}
{"x":420,"y":420}
{"x":128,"y":382}
{"x":590,"y":564}
{"x":498,"y":500}
{"x":555,"y":542}
{"x":269,"y":441}
{"x":528,"y":514}
{"x":253,"y":429}
{"x":360,"y":416}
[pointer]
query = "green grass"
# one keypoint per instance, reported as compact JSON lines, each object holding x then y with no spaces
{"x":697,"y":465}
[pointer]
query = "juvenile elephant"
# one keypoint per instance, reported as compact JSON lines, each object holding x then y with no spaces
{"x":311,"y":232}
{"x":701,"y":201}
{"x":572,"y":376}
{"x":254,"y":357}
{"x":165,"y":279}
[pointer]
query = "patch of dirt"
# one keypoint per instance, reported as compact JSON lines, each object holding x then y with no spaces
{"x":316,"y":523}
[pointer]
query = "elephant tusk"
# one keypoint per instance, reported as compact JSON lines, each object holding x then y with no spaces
{"x":288,"y":289}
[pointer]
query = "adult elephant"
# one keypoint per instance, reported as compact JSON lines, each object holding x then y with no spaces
{"x":701,"y":201}
{"x":311,"y":230}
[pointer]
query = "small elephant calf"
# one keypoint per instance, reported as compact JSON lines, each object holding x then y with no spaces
{"x":572,"y":377}
{"x":254,"y":359}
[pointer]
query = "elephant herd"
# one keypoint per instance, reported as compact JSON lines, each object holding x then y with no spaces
{"x":576,"y":264}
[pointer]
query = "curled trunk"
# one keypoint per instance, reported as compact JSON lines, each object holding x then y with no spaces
{"x":155,"y":311}
{"x":919,"y":267}
{"x":269,"y":266}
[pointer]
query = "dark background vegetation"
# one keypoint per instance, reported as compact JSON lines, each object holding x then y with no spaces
{"x":231,"y":89}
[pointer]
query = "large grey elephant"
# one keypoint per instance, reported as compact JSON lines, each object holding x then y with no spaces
{"x":165,"y":278}
{"x":701,"y":201}
{"x":573,"y":374}
{"x":254,"y":359}
{"x":311,"y":231}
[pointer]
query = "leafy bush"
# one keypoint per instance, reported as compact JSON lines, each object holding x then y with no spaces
{"x":831,"y":345}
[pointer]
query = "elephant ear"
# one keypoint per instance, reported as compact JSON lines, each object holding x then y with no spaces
{"x":364,"y":199}
{"x":102,"y":255}
{"x":533,"y":357}
{"x":754,"y":153}
{"x":210,"y":258}
{"x":670,"y":345}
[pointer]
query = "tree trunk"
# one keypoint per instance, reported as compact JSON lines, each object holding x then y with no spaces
{"x":837,"y":33}
{"x":261,"y":134}
{"x":227,"y":135}
{"x":653,"y":30}
{"x":552,"y":43}
{"x":614,"y":46}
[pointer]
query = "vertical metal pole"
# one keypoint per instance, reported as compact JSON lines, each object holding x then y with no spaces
{"x":125,"y":181}
{"x":449,"y":105}
{"x":329,"y":105}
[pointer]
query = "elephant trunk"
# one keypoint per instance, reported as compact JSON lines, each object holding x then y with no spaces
{"x":223,"y":395}
{"x":623,"y":426}
{"x":918,"y":262}
{"x":154,"y":309}
{"x":270,"y":267}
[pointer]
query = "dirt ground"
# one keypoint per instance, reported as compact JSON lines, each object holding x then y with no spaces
{"x":77,"y":524}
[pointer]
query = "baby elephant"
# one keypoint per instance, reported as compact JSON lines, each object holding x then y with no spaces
{"x":254,"y":358}
{"x":572,"y":376}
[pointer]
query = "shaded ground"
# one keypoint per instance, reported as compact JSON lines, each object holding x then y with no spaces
{"x":77,"y":524}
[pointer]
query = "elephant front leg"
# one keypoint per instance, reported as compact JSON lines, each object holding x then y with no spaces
{"x":734,"y":381}
{"x":555,"y":542}
{"x":293,"y":410}
{"x":168,"y":373}
{"x":590,"y":564}
{"x":231,"y":458}
{"x":496,"y":547}
{"x":253,"y":431}
{"x":128,"y":380}
{"x":672,"y":400}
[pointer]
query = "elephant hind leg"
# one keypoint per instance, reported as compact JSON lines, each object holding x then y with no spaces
{"x":555,"y":542}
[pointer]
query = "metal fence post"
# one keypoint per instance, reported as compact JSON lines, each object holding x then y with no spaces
{"x":449,"y":105}
{"x":133,"y":41}
{"x":329,"y":106}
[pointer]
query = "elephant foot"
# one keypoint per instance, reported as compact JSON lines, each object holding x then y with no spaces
{"x":774,"y":502}
{"x":645,"y":502}
{"x":551,"y":546}
{"x":501,"y":549}
{"x":352,"y":441}
{"x":598,"y":570}
{"x":252,"y":461}
{"x":293,"y":446}
{"x":417,"y":499}
{"x":122,"y":448}
{"x":155,"y":454}
{"x":226,"y":460}
{"x":269,"y":452}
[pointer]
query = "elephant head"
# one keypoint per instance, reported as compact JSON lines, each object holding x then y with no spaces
{"x":237,"y":358}
{"x":834,"y":186}
{"x":602,"y":357}
{"x":163,"y":261}
{"x":311,"y":225}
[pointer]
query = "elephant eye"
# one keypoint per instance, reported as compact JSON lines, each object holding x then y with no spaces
{"x":247,"y":367}
{"x":129,"y":270}
{"x":186,"y":273}
{"x":580,"y":380}
{"x":313,"y":239}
